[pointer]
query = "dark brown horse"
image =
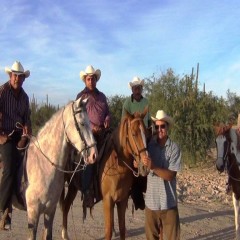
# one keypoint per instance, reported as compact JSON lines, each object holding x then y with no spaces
{"x":116,"y":172}
{"x":227,"y":155}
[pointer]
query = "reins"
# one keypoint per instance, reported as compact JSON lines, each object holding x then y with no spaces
{"x":86,"y":147}
{"x":228,"y":166}
{"x":134,"y":155}
{"x":82,"y":152}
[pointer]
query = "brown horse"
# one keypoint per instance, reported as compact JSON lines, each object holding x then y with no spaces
{"x":228,"y":159}
{"x":116,"y":172}
{"x":128,"y":142}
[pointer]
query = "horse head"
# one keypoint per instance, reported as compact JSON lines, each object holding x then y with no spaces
{"x":78,"y":131}
{"x":135,"y":138}
{"x":223,"y":144}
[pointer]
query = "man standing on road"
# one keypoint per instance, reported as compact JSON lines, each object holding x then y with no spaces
{"x":161,"y":212}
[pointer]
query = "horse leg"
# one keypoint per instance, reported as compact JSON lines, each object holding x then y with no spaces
{"x":236,"y":204}
{"x":48,"y":225}
{"x":66,"y":204}
{"x":33,"y":219}
{"x":108,"y":209}
{"x":121,"y":209}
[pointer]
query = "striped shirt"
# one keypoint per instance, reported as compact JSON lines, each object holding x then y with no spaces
{"x":132,"y":106}
{"x":97,"y":107}
{"x":13,"y":109}
{"x":161,"y":194}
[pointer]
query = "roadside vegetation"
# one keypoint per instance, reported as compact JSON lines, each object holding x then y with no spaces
{"x":194,"y":110}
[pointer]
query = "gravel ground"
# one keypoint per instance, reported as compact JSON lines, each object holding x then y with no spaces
{"x":206,"y":213}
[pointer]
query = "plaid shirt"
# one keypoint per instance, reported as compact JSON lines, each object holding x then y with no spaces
{"x":161,"y":194}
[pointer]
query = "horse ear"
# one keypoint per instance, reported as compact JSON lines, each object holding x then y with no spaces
{"x":85,"y":101}
{"x":80,"y":101}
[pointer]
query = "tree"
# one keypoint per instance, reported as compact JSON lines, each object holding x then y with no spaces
{"x":115,"y":107}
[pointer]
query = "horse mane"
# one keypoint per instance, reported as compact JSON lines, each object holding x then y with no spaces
{"x":52,"y":121}
{"x":221,"y":128}
{"x":123,"y":130}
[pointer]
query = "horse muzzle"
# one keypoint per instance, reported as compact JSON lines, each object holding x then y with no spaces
{"x":143,"y":170}
{"x":220,"y":165}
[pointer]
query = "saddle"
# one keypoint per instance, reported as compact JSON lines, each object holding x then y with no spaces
{"x":94,"y":194}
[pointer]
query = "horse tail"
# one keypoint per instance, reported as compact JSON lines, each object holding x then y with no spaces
{"x":62,"y":197}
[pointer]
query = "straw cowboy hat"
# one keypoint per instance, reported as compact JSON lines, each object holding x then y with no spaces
{"x":162,"y":116}
{"x":136,"y":81}
{"x":17,"y":69}
{"x":90,"y":71}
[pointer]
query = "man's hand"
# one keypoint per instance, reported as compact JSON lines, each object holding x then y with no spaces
{"x":147,"y":161}
{"x":3,"y":138}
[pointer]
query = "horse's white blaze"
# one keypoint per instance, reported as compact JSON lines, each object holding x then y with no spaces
{"x":143,"y":136}
{"x":220,"y":140}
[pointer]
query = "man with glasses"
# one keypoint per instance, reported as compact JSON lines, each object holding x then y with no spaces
{"x":164,"y":160}
{"x":14,"y":109}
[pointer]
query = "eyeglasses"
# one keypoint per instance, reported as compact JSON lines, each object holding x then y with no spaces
{"x":162,"y":126}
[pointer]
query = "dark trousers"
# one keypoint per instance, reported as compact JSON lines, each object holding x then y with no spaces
{"x":91,"y":170}
{"x":11,"y":158}
{"x":167,"y":219}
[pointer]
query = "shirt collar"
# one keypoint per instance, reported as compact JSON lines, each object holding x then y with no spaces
{"x":86,"y":90}
{"x":132,"y":99}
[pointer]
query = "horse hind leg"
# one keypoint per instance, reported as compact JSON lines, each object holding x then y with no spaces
{"x":65,"y":205}
{"x":236,"y":204}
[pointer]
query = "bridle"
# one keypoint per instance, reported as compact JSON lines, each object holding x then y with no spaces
{"x":225,"y":158}
{"x":83,"y":151}
{"x":225,"y":155}
{"x":139,"y":151}
{"x":83,"y":140}
{"x":136,"y":155}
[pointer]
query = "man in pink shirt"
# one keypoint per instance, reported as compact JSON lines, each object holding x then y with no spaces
{"x":99,"y":116}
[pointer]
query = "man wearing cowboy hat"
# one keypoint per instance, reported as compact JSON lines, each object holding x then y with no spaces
{"x":99,"y":116}
{"x":164,"y":160}
{"x":136,"y":102}
{"x":14,"y":108}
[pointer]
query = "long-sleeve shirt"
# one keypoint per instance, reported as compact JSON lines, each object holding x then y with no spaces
{"x":97,"y":107}
{"x":13,"y":109}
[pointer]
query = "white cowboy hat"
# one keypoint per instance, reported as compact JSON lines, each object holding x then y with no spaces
{"x":17,"y":69}
{"x":136,"y":81}
{"x":90,"y":71}
{"x":161,"y":115}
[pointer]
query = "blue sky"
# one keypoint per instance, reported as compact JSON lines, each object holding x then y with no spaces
{"x":55,"y":40}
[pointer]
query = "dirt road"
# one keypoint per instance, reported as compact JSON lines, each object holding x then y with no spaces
{"x":198,"y":222}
